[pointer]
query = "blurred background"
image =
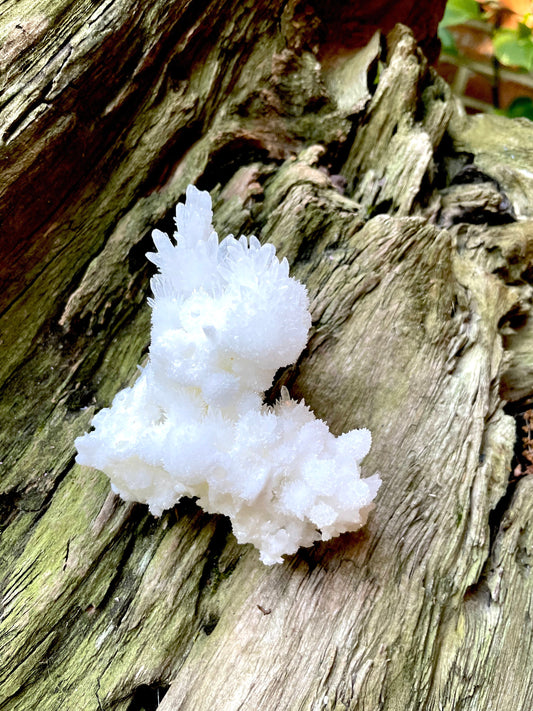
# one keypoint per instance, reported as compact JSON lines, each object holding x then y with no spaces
{"x":487,"y":55}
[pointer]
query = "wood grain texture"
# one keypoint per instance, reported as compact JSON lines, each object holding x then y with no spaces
{"x":402,"y":221}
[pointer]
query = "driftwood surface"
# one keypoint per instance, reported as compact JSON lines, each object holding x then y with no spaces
{"x":411,"y":226}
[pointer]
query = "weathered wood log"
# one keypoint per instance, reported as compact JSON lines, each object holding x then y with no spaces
{"x":410,"y":224}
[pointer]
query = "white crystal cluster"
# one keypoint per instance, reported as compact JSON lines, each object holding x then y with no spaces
{"x":225,"y":317}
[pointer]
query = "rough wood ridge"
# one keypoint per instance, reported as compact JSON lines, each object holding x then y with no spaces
{"x":412,"y":227}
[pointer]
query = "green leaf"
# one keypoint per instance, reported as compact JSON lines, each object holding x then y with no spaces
{"x":447,"y":41}
{"x":512,"y":49}
{"x":459,"y":11}
{"x":521,"y":107}
{"x":524,"y":32}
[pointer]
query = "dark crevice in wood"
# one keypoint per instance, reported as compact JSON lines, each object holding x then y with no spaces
{"x":36,"y":497}
{"x":28,"y":110}
{"x":211,"y":573}
{"x":127,"y":539}
{"x":171,"y":156}
{"x":8,"y":507}
{"x":148,"y":697}
{"x":498,"y":514}
{"x":138,"y":265}
{"x":479,"y":588}
{"x":227,"y":159}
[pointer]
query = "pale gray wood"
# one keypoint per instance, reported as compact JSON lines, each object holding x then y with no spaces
{"x":420,"y":331}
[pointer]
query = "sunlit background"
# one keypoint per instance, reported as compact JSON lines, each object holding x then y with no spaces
{"x":487,"y":54}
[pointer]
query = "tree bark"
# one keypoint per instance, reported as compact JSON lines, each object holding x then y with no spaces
{"x":411,"y":225}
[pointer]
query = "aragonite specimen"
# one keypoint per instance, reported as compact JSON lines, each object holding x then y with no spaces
{"x":225,"y":317}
